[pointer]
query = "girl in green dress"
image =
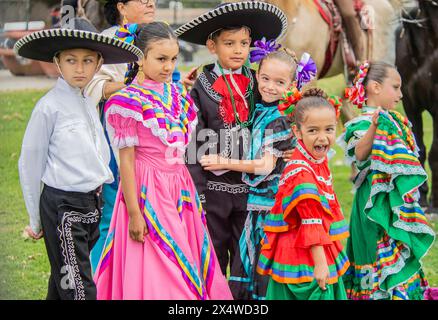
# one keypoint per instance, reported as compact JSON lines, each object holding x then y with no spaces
{"x":389,"y":234}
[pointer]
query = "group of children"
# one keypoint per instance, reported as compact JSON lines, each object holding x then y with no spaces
{"x":228,"y":179}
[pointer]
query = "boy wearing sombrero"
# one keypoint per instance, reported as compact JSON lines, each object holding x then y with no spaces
{"x":64,"y":157}
{"x":225,"y":93}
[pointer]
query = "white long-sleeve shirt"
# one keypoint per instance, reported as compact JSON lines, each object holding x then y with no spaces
{"x":63,"y":147}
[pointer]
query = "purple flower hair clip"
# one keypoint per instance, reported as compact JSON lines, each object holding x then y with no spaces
{"x":306,"y":70}
{"x":262,"y":49}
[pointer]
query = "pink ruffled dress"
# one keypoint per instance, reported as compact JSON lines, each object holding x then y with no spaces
{"x":177,"y":259}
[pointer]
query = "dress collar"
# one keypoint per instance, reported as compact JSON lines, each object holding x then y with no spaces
{"x":368,"y":109}
{"x":151,"y":85}
{"x":307,"y":155}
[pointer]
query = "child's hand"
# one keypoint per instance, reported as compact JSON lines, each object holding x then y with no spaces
{"x":287,"y":155}
{"x":32,"y":234}
{"x":137,"y":227}
{"x":213,"y":162}
{"x":190,"y":78}
{"x":375,"y":117}
{"x":321,"y":274}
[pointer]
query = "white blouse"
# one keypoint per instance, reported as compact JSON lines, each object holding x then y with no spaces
{"x":64,"y":147}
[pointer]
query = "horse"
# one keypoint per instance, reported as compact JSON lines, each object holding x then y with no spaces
{"x":417,"y":63}
{"x":309,"y":32}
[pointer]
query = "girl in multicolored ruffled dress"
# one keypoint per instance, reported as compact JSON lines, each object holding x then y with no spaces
{"x":389,"y":232}
{"x":301,"y":251}
{"x":158,"y":246}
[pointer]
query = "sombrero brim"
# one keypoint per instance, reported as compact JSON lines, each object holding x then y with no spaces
{"x":264,"y":20}
{"x":43,"y":45}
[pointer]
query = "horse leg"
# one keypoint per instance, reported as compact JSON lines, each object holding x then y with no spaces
{"x":415,"y":116}
{"x":433,"y":163}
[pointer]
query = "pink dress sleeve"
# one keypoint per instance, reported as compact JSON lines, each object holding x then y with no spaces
{"x":125,"y":131}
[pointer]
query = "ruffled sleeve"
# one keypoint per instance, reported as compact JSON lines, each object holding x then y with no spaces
{"x":354,"y":131}
{"x":123,"y":113}
{"x":297,"y":188}
{"x":311,"y":231}
{"x":125,"y":131}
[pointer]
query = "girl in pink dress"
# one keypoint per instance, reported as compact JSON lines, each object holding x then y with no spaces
{"x":158,"y":246}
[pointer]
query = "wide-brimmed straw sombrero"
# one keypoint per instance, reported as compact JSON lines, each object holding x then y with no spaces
{"x":43,"y":45}
{"x":264,"y":20}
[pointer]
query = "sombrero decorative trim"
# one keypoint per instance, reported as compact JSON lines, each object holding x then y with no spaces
{"x":44,"y":44}
{"x":263,"y":26}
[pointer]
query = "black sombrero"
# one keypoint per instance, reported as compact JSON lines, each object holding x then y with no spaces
{"x":264,"y":20}
{"x":43,"y":45}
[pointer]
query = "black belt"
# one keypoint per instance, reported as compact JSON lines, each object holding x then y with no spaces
{"x":90,"y":194}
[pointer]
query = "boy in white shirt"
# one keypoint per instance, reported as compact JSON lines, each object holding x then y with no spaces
{"x":65,"y":158}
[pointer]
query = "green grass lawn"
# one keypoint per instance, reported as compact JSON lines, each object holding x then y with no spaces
{"x":24,"y":268}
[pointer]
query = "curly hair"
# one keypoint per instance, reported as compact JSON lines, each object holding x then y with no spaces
{"x":312,"y":98}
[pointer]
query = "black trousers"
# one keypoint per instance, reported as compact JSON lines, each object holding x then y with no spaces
{"x":70,"y":222}
{"x":226,"y":215}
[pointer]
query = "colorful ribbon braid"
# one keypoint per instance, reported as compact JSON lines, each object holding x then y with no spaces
{"x":262,"y":49}
{"x":356,"y":93}
{"x":336,"y":102}
{"x":289,"y":100}
{"x":127,"y":33}
{"x":306,"y":70}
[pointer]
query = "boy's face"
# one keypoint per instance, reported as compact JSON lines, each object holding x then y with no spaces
{"x":231,"y":47}
{"x":317,"y":131}
{"x":78,"y":66}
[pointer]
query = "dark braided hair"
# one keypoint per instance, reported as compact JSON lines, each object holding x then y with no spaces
{"x":312,"y":98}
{"x":147,"y":34}
{"x":112,"y":14}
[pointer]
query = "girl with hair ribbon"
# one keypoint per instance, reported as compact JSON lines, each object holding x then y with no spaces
{"x":389,"y":232}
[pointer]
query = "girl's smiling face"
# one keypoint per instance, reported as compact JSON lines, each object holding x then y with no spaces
{"x":274,"y":78}
{"x":317,"y":131}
